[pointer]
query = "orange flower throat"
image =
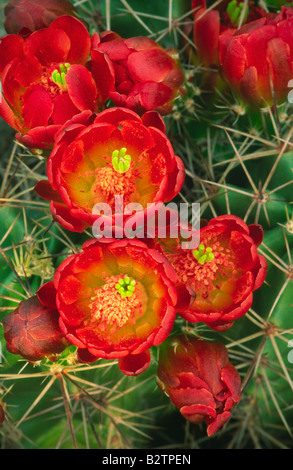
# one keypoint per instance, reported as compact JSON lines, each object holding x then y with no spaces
{"x":117,"y":178}
{"x":116,"y":303}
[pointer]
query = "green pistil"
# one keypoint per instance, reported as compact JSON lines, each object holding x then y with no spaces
{"x":125,"y":287}
{"x":121,"y":161}
{"x":235,"y":12}
{"x":203,"y":255}
{"x":58,"y":76}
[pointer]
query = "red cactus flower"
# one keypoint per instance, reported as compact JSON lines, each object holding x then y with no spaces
{"x":257,"y":60}
{"x":222,"y":272}
{"x":116,"y":299}
{"x":34,"y":14}
{"x":120,"y":154}
{"x":210,"y":23}
{"x":32,"y":329}
{"x":147,"y":77}
{"x":47,"y":79}
{"x":199,"y":380}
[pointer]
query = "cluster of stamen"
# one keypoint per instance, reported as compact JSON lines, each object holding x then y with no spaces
{"x":120,"y":160}
{"x":235,"y":12}
{"x":204,"y":268}
{"x":117,"y":178}
{"x":58,"y":76}
{"x":125,"y":287}
{"x":115,"y":304}
{"x":203,"y":255}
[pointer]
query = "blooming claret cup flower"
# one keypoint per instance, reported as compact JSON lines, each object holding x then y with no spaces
{"x":219,"y":276}
{"x":199,"y":379}
{"x":119,"y":154}
{"x":48,"y":78}
{"x":209,"y":24}
{"x":147,"y":77}
{"x":257,"y":59}
{"x":116,"y":299}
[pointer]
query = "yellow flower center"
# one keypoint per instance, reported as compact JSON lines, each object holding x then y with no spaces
{"x":117,"y":178}
{"x":115,"y":303}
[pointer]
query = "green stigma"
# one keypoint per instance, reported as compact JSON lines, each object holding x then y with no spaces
{"x":125,"y":287}
{"x":203,"y":255}
{"x":235,"y":12}
{"x":121,"y":161}
{"x":58,"y":76}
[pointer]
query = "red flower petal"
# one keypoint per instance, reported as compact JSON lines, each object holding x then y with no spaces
{"x":242,"y":287}
{"x":280,"y":65}
{"x":197,"y":413}
{"x":83,"y":355}
{"x":47,"y":294}
{"x":11,"y":47}
{"x":221,"y":325}
{"x":80,"y":42}
{"x":115,"y":48}
{"x":28,"y":71}
{"x":37,"y":106}
{"x":260,"y":271}
{"x":244,"y":249}
{"x":74,"y":314}
{"x":62,"y":215}
{"x":116,"y":115}
{"x":185,"y":397}
{"x":12,"y":89}
{"x":48,"y":46}
{"x":256,"y":233}
{"x":103,"y":73}
{"x":81,"y":88}
{"x":66,"y":330}
{"x":154,"y":119}
{"x":232,"y":379}
{"x":64,"y":109}
{"x":39,"y":137}
{"x":44,"y":189}
{"x":186,"y":297}
{"x":140,"y":43}
{"x":239,"y":310}
{"x":205,"y":354}
{"x":175,"y":180}
{"x":135,"y":364}
{"x":249,"y":86}
{"x":190,"y":380}
{"x":136,"y":136}
{"x":206,"y":32}
{"x":149,"y":65}
{"x":70,"y":290}
{"x":285,"y":32}
{"x":2,"y":415}
{"x":233,"y":58}
{"x":152,"y":95}
{"x":232,"y":222}
{"x":256,"y":48}
{"x":7,"y":114}
{"x":218,"y":422}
